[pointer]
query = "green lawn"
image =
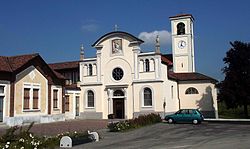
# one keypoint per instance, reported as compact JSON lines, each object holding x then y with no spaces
{"x":231,"y":113}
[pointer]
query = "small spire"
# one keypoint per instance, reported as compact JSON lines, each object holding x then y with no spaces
{"x":157,"y":45}
{"x":81,"y":52}
{"x":116,"y":27}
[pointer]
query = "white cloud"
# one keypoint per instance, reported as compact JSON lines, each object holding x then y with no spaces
{"x":90,"y":27}
{"x":149,"y":37}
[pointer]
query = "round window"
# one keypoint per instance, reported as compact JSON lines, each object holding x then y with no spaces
{"x":117,"y":74}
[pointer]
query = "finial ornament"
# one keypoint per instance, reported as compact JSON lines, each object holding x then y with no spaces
{"x":157,"y":39}
{"x":157,"y":44}
{"x":81,"y":52}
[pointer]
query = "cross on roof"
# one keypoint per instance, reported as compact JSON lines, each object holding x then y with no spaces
{"x":116,"y":27}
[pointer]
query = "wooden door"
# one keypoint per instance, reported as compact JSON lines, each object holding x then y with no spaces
{"x":1,"y":109}
{"x":77,"y":105}
{"x":118,"y":108}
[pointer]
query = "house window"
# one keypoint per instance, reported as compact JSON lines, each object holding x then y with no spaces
{"x":55,"y":99}
{"x":191,"y":90}
{"x":90,"y":70}
{"x":180,"y":28}
{"x":26,"y":99}
{"x":1,"y":89}
{"x":35,"y":98}
{"x":67,"y":103}
{"x":31,"y":97}
{"x":147,"y":66}
{"x":147,"y":97}
{"x":90,"y":98}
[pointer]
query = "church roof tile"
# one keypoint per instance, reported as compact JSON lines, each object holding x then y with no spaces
{"x":191,"y":76}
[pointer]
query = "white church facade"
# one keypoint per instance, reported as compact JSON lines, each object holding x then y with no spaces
{"x":123,"y":81}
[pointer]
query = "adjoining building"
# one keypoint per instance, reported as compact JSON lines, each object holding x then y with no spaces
{"x":121,"y":82}
{"x":29,"y":91}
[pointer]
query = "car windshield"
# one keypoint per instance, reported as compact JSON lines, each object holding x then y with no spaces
{"x":198,"y":111}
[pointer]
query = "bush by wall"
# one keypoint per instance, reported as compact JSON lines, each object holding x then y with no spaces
{"x":140,"y":121}
{"x":19,"y":138}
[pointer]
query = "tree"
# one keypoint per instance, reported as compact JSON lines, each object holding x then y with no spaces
{"x":234,"y":90}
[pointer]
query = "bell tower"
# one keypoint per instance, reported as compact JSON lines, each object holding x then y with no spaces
{"x":182,"y":43}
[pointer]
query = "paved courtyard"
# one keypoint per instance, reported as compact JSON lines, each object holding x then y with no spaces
{"x":176,"y":136}
{"x":50,"y":129}
{"x":158,"y":136}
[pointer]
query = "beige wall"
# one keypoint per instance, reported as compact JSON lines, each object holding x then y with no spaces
{"x":147,"y":75}
{"x":72,"y":103}
{"x":6,"y":97}
{"x":30,"y":76}
{"x":98,"y":98}
{"x":181,"y":64}
{"x":70,"y":114}
{"x":59,"y":109}
{"x":206,"y":100}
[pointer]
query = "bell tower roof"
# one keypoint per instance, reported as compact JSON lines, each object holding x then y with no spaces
{"x":178,"y":16}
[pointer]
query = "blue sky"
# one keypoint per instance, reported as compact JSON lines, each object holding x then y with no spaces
{"x":56,"y":28}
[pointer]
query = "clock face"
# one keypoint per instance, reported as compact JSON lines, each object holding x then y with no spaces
{"x":181,"y":44}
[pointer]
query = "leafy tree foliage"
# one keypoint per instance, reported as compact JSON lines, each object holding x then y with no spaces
{"x":234,"y":90}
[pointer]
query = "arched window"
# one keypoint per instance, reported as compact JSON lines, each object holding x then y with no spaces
{"x":90,"y":70}
{"x":180,"y":28}
{"x":147,"y":96}
{"x":191,"y":90}
{"x":118,"y":93}
{"x":90,"y":102}
{"x":147,"y":66}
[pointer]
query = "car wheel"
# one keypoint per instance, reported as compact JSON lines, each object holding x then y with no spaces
{"x":170,"y":121}
{"x":195,"y":121}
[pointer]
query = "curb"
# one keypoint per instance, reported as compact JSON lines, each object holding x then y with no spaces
{"x":229,"y":121}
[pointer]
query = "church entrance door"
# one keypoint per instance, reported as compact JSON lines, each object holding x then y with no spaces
{"x":118,"y":108}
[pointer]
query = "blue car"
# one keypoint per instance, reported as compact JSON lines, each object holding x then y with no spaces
{"x":185,"y":116}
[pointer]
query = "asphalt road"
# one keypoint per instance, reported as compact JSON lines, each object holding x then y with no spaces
{"x":176,"y":136}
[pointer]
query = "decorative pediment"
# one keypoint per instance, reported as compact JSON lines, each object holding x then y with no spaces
{"x":119,"y":34}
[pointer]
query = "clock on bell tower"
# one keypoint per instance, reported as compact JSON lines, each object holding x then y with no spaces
{"x":182,"y":43}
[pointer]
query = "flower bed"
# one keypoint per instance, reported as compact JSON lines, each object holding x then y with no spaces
{"x":141,"y":121}
{"x":18,"y":138}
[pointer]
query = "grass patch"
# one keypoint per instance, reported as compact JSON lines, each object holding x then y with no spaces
{"x":237,"y":113}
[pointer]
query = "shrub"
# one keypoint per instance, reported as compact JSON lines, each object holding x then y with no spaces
{"x":140,"y":121}
{"x":24,"y":139}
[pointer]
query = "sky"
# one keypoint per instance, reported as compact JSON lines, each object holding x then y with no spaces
{"x":56,"y":28}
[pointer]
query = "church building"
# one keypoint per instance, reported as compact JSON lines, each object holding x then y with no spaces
{"x":123,"y":82}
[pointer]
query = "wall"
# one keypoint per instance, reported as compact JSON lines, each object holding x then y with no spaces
{"x":97,"y":111}
{"x":30,"y":76}
{"x":6,"y":97}
{"x":59,"y":109}
{"x":206,"y":100}
{"x":71,"y":114}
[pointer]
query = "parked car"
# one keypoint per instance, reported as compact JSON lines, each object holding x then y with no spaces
{"x":185,"y":115}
